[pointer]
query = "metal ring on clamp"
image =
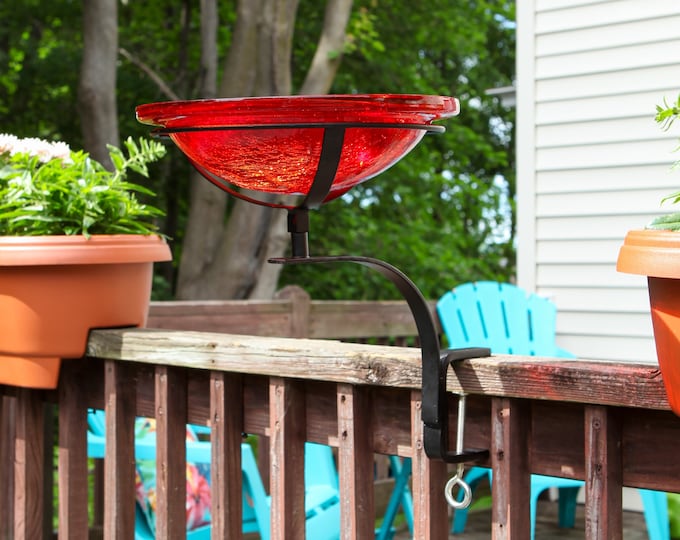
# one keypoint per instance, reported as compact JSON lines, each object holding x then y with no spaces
{"x":457,"y":479}
{"x":454,"y":481}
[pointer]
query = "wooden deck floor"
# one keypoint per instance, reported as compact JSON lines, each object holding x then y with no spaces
{"x":479,"y":525}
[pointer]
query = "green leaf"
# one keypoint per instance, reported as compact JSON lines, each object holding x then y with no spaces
{"x":77,"y":198}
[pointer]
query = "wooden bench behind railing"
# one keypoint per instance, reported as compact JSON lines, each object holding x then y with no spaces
{"x":294,"y":314}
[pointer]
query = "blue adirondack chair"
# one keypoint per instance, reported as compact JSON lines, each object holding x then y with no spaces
{"x":322,"y":501}
{"x":507,"y":320}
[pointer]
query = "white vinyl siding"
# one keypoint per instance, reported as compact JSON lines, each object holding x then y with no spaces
{"x":592,"y":163}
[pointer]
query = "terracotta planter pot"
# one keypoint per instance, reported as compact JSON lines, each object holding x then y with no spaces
{"x":656,"y":254}
{"x":55,"y":289}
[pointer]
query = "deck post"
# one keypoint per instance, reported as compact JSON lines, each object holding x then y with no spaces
{"x":355,"y":463}
{"x":603,"y":454}
{"x":29,"y":465}
{"x":171,"y":465}
{"x":430,"y":511}
{"x":8,"y":430}
{"x":288,"y":433}
{"x":226,"y":426}
{"x":73,"y":492}
{"x":511,"y":487}
{"x":119,"y":461}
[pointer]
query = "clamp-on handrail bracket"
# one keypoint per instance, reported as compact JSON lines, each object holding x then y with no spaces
{"x":436,"y":428}
{"x":435,"y":363}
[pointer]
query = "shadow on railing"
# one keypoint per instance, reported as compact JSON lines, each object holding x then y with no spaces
{"x":606,"y":423}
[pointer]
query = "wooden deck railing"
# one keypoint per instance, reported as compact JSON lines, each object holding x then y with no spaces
{"x":603,"y":422}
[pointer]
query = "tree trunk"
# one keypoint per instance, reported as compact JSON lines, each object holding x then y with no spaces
{"x":328,"y":53}
{"x":207,"y":202}
{"x":97,"y":86}
{"x":231,"y":261}
{"x":318,"y":81}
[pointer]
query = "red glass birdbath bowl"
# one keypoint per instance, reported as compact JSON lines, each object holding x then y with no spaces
{"x":273,"y":150}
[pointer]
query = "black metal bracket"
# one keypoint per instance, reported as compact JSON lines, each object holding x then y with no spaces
{"x":435,"y":364}
{"x":436,"y":427}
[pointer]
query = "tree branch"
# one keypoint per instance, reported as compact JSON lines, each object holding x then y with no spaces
{"x":328,"y":53}
{"x":155,"y":77}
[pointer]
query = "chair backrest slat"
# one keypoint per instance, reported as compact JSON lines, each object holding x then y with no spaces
{"x":500,"y":316}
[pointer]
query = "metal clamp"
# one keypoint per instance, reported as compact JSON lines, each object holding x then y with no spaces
{"x":436,"y":410}
{"x":435,"y":365}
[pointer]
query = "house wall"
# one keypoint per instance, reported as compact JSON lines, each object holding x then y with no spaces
{"x":592,"y":163}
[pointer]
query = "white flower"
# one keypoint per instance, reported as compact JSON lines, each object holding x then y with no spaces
{"x":43,"y":150}
{"x":7,"y":142}
{"x":61,"y":150}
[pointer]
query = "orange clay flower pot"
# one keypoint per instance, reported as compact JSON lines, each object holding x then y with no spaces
{"x":55,"y":289}
{"x":656,"y":254}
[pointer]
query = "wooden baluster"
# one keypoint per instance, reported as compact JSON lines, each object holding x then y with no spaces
{"x":510,"y":421}
{"x":288,"y":431}
{"x":299,"y":320}
{"x":171,"y":420}
{"x":49,"y":438}
{"x":73,"y":492}
{"x":430,"y":513}
{"x":7,"y":443}
{"x":226,"y":423}
{"x":119,"y":463}
{"x":355,"y":456}
{"x":604,"y":514}
{"x":28,"y":465}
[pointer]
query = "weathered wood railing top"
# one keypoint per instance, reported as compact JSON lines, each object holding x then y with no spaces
{"x":579,"y":381}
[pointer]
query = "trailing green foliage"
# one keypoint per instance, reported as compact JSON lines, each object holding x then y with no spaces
{"x":667,"y":113}
{"x":67,"y":192}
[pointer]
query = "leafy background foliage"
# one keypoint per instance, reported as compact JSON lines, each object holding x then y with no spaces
{"x":444,"y":214}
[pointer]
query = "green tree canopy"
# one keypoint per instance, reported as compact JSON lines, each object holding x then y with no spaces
{"x":444,"y":214}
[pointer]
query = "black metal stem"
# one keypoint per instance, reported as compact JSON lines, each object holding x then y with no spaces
{"x":329,"y":160}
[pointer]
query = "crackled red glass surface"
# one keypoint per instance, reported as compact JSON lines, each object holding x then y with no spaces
{"x":283,"y":159}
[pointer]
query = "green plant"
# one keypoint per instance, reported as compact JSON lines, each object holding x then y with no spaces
{"x":47,"y":189}
{"x":666,"y":114}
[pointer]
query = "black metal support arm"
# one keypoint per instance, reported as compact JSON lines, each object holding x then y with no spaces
{"x":435,"y":363}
